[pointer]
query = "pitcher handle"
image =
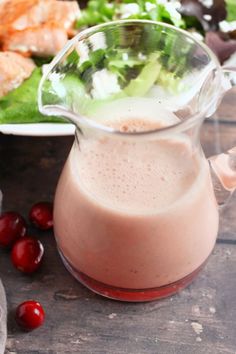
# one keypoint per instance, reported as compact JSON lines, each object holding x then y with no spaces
{"x":223,"y":171}
{"x":223,"y":166}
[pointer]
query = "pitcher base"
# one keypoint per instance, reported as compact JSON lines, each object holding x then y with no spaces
{"x":131,"y":295}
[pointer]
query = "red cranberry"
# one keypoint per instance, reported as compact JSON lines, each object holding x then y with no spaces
{"x":12,"y":227}
{"x":30,"y":315}
{"x":41,"y":215}
{"x":27,"y":254}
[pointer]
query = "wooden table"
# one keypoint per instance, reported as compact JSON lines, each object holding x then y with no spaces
{"x":201,"y":319}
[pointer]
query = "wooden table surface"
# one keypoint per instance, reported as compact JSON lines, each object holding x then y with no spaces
{"x":200,"y":319}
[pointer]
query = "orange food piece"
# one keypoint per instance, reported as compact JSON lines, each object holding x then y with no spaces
{"x":14,"y":69}
{"x":22,"y":14}
{"x":11,"y":10}
{"x":45,"y":40}
{"x":25,"y":25}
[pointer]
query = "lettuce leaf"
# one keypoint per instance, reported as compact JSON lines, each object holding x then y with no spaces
{"x":100,"y":11}
{"x":21,"y":106}
{"x":146,"y":79}
{"x":96,"y":11}
{"x":231,"y":10}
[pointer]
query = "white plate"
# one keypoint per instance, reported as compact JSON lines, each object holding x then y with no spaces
{"x":39,"y":129}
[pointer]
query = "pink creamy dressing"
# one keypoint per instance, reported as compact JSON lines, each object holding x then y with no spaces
{"x":135,"y":214}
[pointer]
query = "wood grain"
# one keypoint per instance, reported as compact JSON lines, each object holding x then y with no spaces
{"x":227,"y":109}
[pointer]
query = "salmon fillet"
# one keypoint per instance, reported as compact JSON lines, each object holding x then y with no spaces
{"x":14,"y":69}
{"x":64,"y":13}
{"x":11,"y":10}
{"x":22,"y":14}
{"x":45,"y":40}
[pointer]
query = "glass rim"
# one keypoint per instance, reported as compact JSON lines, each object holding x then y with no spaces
{"x":83,"y":120}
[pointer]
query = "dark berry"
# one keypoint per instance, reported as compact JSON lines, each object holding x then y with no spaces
{"x":41,"y":215}
{"x":12,"y":227}
{"x":27,"y":254}
{"x":30,"y":315}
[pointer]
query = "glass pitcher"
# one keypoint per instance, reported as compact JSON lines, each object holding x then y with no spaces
{"x":135,"y":214}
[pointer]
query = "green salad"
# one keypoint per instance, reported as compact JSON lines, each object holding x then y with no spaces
{"x":20,"y":105}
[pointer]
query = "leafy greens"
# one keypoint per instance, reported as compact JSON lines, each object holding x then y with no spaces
{"x":231,"y":10}
{"x":20,"y":105}
{"x":99,"y":11}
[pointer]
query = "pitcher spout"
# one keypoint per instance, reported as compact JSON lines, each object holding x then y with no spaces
{"x":54,"y":95}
